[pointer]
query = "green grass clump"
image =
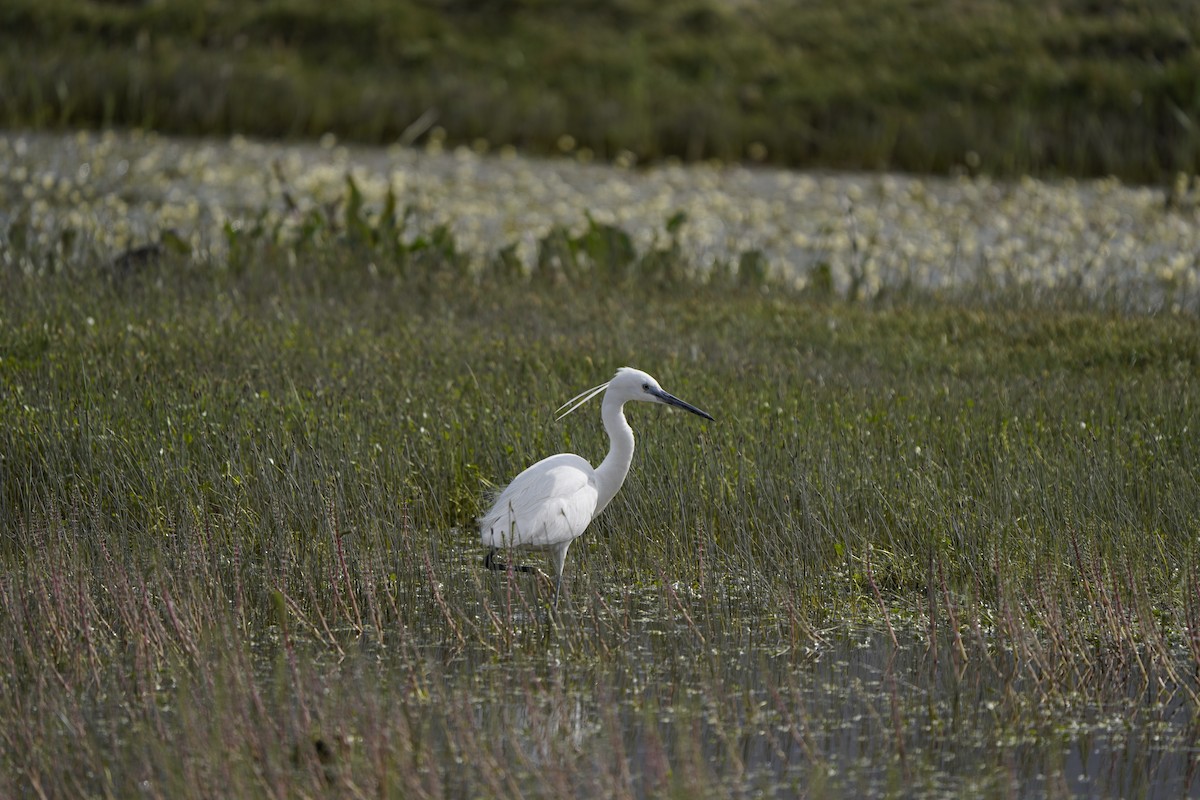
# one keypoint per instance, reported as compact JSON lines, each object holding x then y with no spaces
{"x":1080,"y":88}
{"x":238,"y":557}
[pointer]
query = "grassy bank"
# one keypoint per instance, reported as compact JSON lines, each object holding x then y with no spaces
{"x":236,"y":504}
{"x":1082,"y":88}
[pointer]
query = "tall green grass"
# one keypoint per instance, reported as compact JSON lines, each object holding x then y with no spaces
{"x":238,"y":554}
{"x":1080,"y":88}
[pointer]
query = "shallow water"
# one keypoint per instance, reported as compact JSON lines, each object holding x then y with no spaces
{"x":852,"y":713}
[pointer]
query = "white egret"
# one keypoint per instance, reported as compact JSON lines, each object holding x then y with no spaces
{"x":551,"y":503}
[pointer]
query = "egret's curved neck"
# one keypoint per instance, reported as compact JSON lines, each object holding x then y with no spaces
{"x":612,"y":471}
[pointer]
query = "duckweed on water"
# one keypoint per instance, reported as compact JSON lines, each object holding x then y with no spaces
{"x":933,"y":548}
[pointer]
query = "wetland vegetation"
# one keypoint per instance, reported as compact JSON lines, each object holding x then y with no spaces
{"x":937,"y":542}
{"x":1072,"y":87}
{"x":941,"y":540}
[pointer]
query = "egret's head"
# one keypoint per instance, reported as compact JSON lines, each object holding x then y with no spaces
{"x":629,"y":384}
{"x":633,"y":384}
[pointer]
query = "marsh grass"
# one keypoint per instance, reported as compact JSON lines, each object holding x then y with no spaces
{"x":928,"y":546}
{"x":1012,"y":88}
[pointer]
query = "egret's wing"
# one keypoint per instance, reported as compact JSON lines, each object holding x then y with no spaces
{"x":549,"y":503}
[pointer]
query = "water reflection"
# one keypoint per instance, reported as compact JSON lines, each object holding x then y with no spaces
{"x":858,"y":714}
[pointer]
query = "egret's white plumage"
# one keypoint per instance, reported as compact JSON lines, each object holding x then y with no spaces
{"x":551,"y":503}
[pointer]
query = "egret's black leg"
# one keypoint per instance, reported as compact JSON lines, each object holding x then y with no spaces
{"x":490,"y":561}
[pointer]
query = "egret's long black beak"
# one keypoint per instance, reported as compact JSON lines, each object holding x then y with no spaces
{"x":672,"y":400}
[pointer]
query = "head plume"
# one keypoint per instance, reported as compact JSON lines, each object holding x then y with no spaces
{"x":579,"y":399}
